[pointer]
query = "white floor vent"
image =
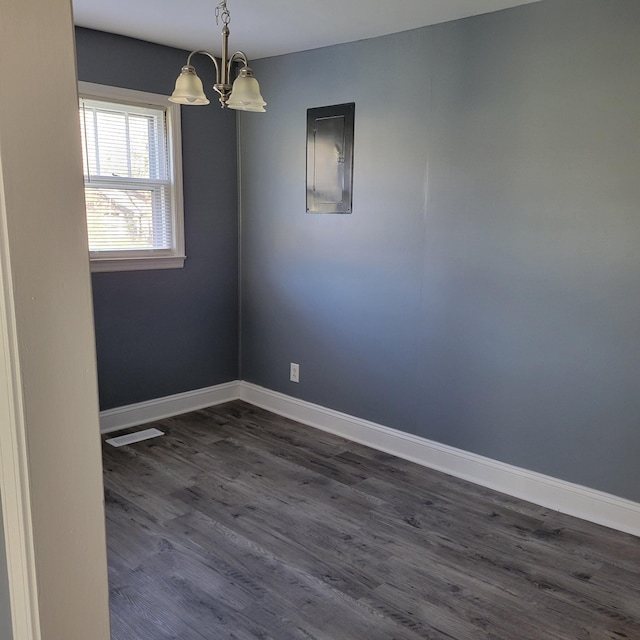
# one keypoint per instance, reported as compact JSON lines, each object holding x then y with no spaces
{"x":138,"y":436}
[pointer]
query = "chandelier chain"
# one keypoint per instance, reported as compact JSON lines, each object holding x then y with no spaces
{"x":222,"y":13}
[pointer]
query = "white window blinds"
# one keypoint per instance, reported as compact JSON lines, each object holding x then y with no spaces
{"x":133,"y":181}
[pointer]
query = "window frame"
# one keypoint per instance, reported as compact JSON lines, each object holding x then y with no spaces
{"x":144,"y":259}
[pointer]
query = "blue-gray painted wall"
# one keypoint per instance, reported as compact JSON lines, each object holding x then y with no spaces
{"x":168,"y":331}
{"x":485,"y":292}
{"x":6,"y":633}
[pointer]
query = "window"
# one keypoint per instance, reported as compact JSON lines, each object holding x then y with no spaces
{"x":133,"y":179}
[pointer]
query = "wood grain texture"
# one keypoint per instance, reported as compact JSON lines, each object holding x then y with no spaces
{"x":239,"y":524}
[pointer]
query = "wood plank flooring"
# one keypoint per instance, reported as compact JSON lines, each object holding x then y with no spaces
{"x":239,"y":524}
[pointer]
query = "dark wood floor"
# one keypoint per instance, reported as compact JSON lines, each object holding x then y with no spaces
{"x":241,"y":524}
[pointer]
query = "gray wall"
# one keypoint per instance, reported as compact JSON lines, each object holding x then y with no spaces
{"x":168,"y":331}
{"x":6,"y":632}
{"x":485,"y":292}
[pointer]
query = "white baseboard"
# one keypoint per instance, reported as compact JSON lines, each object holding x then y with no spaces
{"x":559,"y":495}
{"x":136,"y":414}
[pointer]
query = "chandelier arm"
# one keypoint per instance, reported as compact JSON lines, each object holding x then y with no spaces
{"x":206,"y":53}
{"x":239,"y":54}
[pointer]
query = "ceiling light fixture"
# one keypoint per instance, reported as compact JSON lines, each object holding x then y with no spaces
{"x":243,"y":94}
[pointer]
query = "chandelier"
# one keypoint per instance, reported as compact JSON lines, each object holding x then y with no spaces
{"x":243,"y":94}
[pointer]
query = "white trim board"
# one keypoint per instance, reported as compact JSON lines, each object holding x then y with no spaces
{"x":559,"y":495}
{"x":133,"y":415}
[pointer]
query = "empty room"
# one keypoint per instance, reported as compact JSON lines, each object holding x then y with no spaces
{"x":320,"y":320}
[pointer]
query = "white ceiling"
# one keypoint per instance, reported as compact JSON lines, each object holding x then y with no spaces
{"x":263,"y":28}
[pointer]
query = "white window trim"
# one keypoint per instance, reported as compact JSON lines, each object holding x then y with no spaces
{"x":160,"y":259}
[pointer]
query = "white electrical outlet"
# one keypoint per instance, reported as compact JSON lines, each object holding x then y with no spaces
{"x":294,"y":372}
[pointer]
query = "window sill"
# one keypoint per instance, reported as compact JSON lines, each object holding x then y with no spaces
{"x":136,"y":264}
